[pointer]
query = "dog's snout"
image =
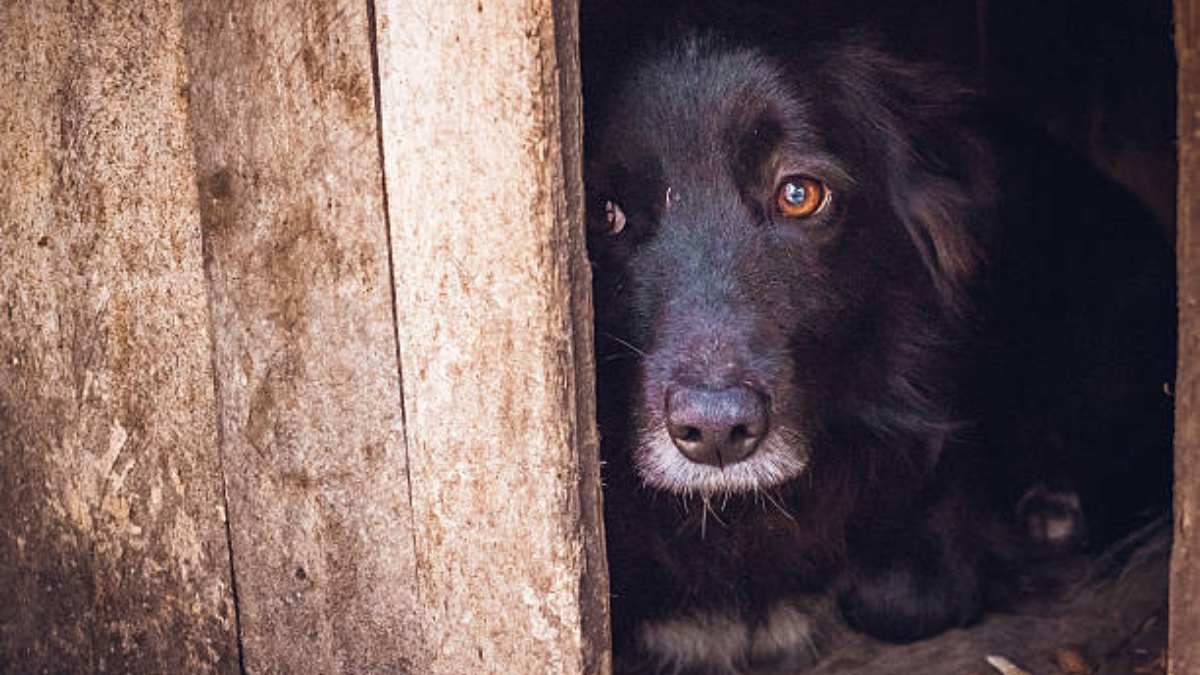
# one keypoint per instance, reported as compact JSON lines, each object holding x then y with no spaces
{"x":716,"y":427}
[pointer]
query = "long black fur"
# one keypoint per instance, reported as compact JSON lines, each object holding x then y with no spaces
{"x":978,"y":312}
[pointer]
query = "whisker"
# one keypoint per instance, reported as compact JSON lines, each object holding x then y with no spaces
{"x":708,"y":506}
{"x":624,"y":342}
{"x":774,"y":499}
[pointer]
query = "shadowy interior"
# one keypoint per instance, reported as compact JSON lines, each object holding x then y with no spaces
{"x":1099,"y":77}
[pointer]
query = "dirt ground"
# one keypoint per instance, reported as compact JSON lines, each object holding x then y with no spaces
{"x":1110,"y":618}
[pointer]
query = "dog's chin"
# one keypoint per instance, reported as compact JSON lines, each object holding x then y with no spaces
{"x":783,"y":456}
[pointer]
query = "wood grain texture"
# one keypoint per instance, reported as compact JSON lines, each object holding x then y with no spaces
{"x":480,"y":111}
{"x":296,"y":251}
{"x":1185,"y":562}
{"x":113,"y":553}
{"x":593,"y":597}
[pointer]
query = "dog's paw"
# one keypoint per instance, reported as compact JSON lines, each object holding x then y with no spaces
{"x":720,"y":643}
{"x":1052,"y":519}
{"x":785,"y":642}
{"x":697,"y":643}
{"x":911,"y":598}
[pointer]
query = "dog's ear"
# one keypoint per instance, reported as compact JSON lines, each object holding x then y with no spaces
{"x":938,"y":168}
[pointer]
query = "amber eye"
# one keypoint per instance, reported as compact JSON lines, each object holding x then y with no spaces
{"x":801,"y":197}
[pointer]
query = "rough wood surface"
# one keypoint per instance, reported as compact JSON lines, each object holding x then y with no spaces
{"x":296,"y":251}
{"x":593,"y":596}
{"x":481,"y":142}
{"x":113,"y":554}
{"x":1185,"y":564}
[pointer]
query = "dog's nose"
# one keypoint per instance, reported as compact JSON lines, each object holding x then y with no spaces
{"x":716,"y":427}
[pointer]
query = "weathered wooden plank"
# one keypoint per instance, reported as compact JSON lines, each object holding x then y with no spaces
{"x":481,"y":121}
{"x":296,"y":250}
{"x":593,"y":597}
{"x":1185,"y":559}
{"x":113,"y":554}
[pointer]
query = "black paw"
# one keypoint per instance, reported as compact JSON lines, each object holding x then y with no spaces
{"x":910,"y":601}
{"x":1052,"y":520}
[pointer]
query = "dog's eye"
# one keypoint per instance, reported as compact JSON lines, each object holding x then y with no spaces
{"x":614,"y":219}
{"x":801,"y":197}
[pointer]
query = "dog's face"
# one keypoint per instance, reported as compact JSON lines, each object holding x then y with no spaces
{"x":755,"y":229}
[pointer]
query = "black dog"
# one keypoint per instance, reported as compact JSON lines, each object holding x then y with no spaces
{"x":846,"y":321}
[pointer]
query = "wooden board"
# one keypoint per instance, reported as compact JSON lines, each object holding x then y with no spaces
{"x":113,"y":554}
{"x":296,"y":252}
{"x":481,"y":122}
{"x":1185,"y":563}
{"x":196,"y":284}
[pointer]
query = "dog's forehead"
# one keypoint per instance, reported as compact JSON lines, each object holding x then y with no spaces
{"x":696,"y":100}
